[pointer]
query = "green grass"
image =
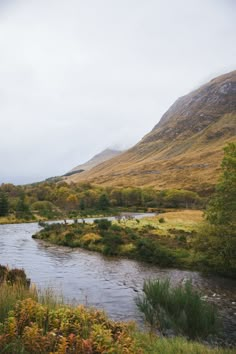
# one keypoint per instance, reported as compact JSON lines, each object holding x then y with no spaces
{"x":153,"y":345}
{"x":177,"y":308}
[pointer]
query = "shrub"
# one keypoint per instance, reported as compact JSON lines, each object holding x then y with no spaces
{"x":161,"y":220}
{"x":151,"y":251}
{"x":35,"y":328}
{"x":112,"y":243}
{"x":69,"y":238}
{"x":179,"y":308}
{"x":17,"y":275}
{"x":90,"y":238}
{"x":103,"y":224}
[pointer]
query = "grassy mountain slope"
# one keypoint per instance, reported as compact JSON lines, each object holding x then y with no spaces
{"x":184,"y":150}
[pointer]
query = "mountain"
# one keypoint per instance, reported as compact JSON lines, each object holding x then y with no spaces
{"x":184,"y":150}
{"x":105,"y":155}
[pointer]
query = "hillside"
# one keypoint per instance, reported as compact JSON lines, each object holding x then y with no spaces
{"x":184,"y":150}
{"x":103,"y":156}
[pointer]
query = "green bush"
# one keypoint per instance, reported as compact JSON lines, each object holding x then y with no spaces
{"x":151,"y":251}
{"x":103,"y":224}
{"x":111,"y":244}
{"x":179,"y":308}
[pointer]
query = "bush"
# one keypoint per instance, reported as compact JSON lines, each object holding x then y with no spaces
{"x":151,"y":251}
{"x":103,"y":224}
{"x":35,"y":328}
{"x":17,"y":276}
{"x":112,"y":242}
{"x":179,"y":308}
{"x":217,"y":249}
{"x":161,"y":220}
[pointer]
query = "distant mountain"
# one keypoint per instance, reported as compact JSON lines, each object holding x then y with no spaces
{"x":105,"y":155}
{"x":184,"y":150}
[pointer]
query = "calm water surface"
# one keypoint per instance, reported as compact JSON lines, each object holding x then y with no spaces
{"x":106,"y":283}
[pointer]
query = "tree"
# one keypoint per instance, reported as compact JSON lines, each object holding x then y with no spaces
{"x":222,"y":207}
{"x":181,"y":198}
{"x":22,"y":208}
{"x":4,"y":205}
{"x":218,"y":235}
{"x":103,"y":202}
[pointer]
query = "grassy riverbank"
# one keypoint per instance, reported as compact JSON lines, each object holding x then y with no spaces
{"x":32,"y":322}
{"x":170,"y":239}
{"x":165,"y":240}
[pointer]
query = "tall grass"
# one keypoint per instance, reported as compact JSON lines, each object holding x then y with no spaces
{"x":178,"y":308}
{"x":11,"y":293}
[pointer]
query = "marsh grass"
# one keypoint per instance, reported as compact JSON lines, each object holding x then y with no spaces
{"x":178,"y":308}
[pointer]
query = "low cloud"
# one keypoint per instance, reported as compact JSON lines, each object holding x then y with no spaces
{"x":79,"y":76}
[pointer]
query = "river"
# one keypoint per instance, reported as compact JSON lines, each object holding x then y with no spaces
{"x":110,"y":284}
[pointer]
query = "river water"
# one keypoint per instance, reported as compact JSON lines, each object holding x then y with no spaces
{"x":110,"y":284}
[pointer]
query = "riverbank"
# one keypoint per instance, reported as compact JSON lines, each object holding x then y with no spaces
{"x":128,"y":214}
{"x":34,"y":322}
{"x":165,"y":240}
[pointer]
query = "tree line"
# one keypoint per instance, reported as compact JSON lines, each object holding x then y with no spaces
{"x":51,"y":199}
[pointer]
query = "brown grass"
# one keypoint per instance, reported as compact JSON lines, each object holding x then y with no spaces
{"x":193,"y":216}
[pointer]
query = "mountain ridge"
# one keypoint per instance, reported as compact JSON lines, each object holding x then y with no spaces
{"x":104,"y":155}
{"x":184,"y":149}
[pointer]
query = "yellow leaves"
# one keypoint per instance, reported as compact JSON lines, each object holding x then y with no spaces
{"x":11,"y":325}
{"x":90,"y":238}
{"x":63,"y":345}
{"x":129,"y":247}
{"x":65,"y":330}
{"x":32,"y":338}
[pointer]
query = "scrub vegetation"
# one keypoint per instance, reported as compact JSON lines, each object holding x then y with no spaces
{"x":33,"y":323}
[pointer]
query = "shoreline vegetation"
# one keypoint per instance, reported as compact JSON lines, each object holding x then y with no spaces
{"x":40,"y":322}
{"x":167,"y":240}
{"x":130,"y":238}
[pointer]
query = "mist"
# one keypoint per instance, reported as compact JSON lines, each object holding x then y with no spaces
{"x":77,"y":77}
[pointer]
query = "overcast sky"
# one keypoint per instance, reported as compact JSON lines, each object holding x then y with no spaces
{"x":78,"y":76}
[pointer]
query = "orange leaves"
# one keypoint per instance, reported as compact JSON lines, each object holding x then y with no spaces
{"x":65,"y":330}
